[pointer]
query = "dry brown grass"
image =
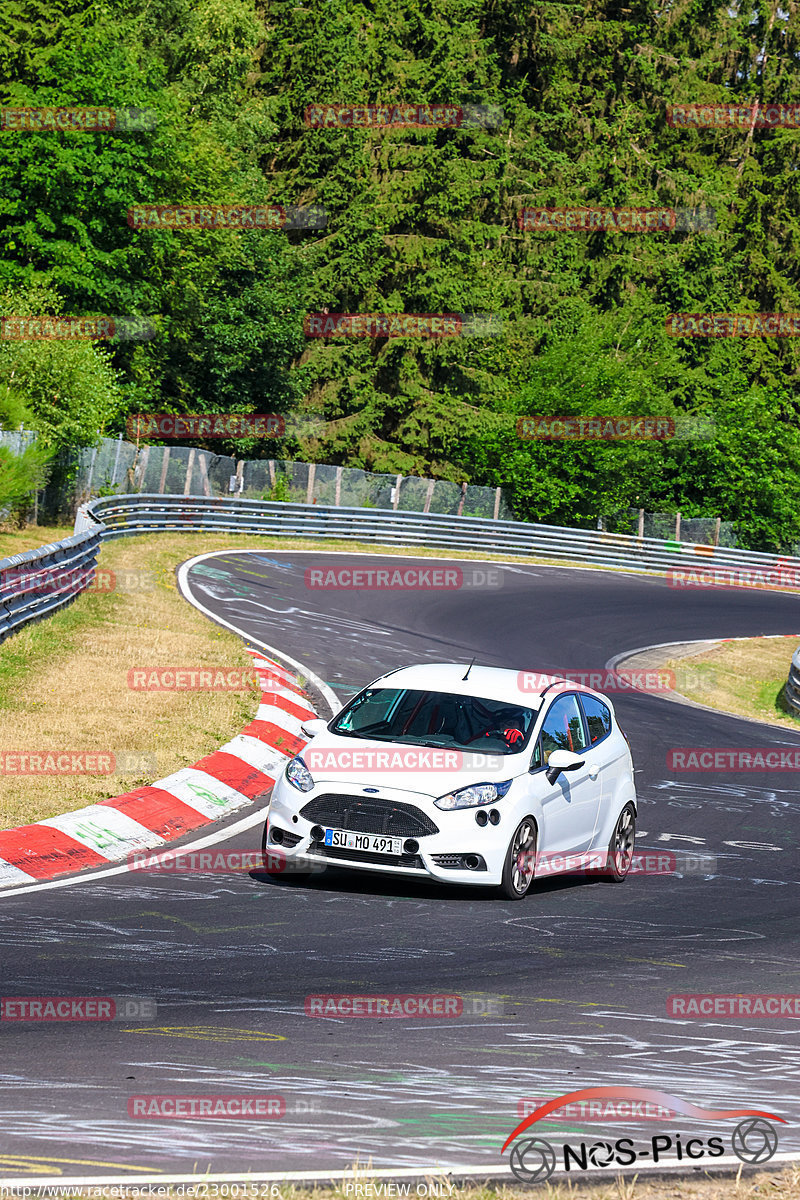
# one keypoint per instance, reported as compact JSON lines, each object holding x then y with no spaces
{"x":65,"y":685}
{"x":742,"y":677}
{"x":14,"y":541}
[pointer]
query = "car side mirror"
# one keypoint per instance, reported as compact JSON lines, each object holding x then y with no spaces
{"x":562,"y":760}
{"x":313,"y":727}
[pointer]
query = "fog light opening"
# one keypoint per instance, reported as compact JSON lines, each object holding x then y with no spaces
{"x":481,"y":817}
{"x":317,"y":833}
{"x":494,"y":816}
{"x":410,"y":846}
{"x":472,"y":862}
{"x":276,"y":836}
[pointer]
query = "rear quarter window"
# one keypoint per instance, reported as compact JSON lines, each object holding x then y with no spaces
{"x":598,"y":718}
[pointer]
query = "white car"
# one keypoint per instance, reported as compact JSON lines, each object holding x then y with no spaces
{"x":463,"y":775}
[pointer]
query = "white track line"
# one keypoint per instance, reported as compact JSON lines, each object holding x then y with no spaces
{"x":183,"y":584}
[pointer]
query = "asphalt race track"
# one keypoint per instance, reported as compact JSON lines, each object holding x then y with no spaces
{"x":581,"y":967}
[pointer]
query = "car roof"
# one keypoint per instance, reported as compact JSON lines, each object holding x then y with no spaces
{"x":490,"y":683}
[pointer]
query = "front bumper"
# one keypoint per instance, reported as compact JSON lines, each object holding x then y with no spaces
{"x":459,"y":836}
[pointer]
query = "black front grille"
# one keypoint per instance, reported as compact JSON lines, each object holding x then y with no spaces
{"x":345,"y":855}
{"x":367,"y":814}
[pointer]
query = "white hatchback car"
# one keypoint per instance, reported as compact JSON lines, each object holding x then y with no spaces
{"x":463,"y":775}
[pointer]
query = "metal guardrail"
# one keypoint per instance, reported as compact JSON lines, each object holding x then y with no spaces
{"x":121,"y":516}
{"x":144,"y":513}
{"x":37,"y":582}
{"x":791,"y":690}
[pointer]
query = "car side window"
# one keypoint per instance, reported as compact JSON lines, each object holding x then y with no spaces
{"x":598,"y":718}
{"x":563,"y":727}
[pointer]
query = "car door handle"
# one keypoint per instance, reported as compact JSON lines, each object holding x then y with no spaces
{"x":594,"y":771}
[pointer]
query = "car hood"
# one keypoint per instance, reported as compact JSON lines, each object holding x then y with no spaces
{"x":404,"y":767}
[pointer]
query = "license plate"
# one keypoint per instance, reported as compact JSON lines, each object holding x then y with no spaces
{"x":376,"y":843}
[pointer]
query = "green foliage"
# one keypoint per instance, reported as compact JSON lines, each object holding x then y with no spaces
{"x":424,"y":220}
{"x":69,"y":388}
{"x":280,"y":491}
{"x":227,"y":304}
{"x":730,"y":456}
{"x":20,"y":474}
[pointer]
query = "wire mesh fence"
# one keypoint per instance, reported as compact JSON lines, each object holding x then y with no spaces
{"x":674,"y":526}
{"x":118,"y":467}
{"x":17,"y":440}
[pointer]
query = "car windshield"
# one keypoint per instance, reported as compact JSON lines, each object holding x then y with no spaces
{"x":436,"y":719}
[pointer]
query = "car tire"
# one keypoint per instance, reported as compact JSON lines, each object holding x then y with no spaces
{"x":621,"y":846}
{"x":517,"y":874}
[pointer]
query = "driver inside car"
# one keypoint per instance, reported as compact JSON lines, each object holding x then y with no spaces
{"x":504,"y":725}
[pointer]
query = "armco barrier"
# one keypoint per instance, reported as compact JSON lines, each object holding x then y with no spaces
{"x":37,"y":582}
{"x":143,"y":513}
{"x":791,"y":689}
{"x":118,"y":516}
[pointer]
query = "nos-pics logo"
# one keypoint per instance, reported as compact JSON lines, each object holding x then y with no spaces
{"x":754,"y":1140}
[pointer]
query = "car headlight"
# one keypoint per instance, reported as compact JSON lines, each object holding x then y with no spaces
{"x":471,"y":797}
{"x":299,"y":775}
